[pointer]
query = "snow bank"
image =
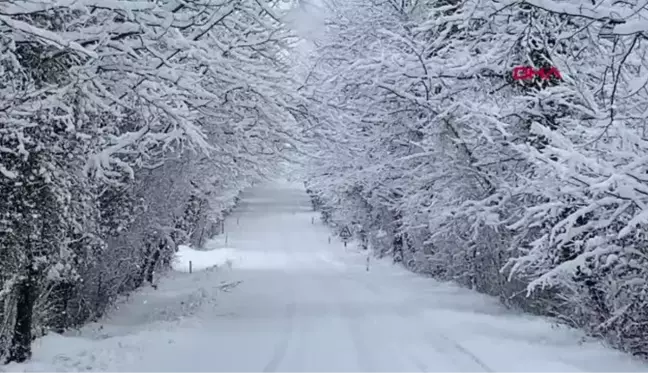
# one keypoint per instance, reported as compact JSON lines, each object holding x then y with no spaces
{"x":249,"y":259}
{"x":201,"y":259}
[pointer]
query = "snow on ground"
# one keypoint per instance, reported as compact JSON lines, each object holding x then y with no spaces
{"x":291,"y":301}
{"x":249,"y":259}
{"x":189,"y":259}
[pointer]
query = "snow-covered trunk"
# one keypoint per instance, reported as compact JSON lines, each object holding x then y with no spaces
{"x":473,"y":266}
{"x":397,"y":247}
{"x":153,"y":248}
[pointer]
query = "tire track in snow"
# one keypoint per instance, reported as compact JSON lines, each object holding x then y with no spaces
{"x":452,"y":345}
{"x":346,"y":314}
{"x":362,"y":353}
{"x":439,"y":341}
{"x":419,"y":365}
{"x":468,"y":353}
{"x":281,"y":347}
{"x":449,"y":347}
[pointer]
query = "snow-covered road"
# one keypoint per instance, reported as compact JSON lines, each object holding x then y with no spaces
{"x":304,"y":304}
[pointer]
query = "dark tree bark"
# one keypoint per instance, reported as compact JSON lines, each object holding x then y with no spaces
{"x":397,"y":242}
{"x":26,"y":291}
{"x":398,"y":248}
{"x":153,"y":262}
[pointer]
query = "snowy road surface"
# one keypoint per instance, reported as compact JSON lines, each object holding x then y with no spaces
{"x":306,"y":305}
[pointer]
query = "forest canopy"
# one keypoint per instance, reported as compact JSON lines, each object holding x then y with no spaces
{"x":130,"y":127}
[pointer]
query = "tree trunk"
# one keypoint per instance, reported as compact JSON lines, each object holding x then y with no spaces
{"x":154,"y":261}
{"x":473,"y":268}
{"x":398,"y":248}
{"x":20,"y":350}
{"x":142,"y":273}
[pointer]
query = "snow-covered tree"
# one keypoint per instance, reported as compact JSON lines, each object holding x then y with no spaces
{"x":127,"y":128}
{"x":465,"y":173}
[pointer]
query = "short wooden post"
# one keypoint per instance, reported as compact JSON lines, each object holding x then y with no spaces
{"x":226,"y":238}
{"x":313,"y":220}
{"x":190,"y":266}
{"x":329,"y":239}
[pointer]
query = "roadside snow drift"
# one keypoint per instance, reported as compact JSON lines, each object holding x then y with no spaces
{"x":233,"y":258}
{"x":202,"y":259}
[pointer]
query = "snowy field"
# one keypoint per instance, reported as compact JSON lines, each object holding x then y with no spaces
{"x":279,"y":297}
